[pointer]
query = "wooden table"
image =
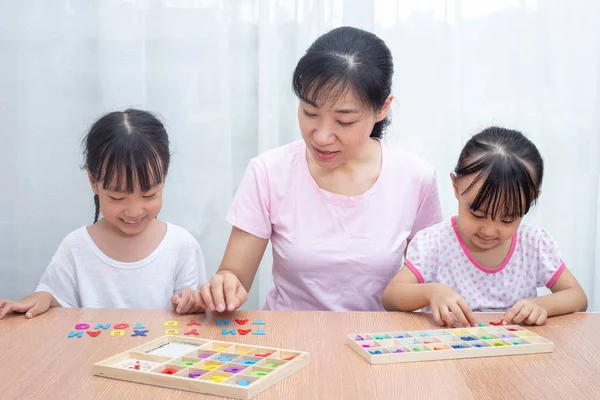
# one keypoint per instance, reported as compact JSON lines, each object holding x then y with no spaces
{"x":38,"y":360}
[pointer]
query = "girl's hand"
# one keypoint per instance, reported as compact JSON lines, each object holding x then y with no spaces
{"x":224,"y":292}
{"x":32,"y":305}
{"x":445,"y":300}
{"x":187,"y":302}
{"x":527,"y":312}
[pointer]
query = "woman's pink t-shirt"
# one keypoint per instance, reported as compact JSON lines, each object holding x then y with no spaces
{"x":333,"y":252}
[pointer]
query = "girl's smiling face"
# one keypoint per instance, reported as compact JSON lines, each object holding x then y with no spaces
{"x":129,"y":212}
{"x":481,"y":230}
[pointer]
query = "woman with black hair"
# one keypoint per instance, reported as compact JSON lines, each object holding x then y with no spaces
{"x":340,"y":205}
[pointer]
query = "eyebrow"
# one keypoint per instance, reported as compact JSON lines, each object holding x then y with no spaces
{"x":347,"y":111}
{"x":124,"y":190}
{"x":114,"y":190}
{"x":500,"y":216}
{"x":310,"y":103}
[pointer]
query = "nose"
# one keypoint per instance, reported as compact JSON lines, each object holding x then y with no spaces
{"x":133,"y":210}
{"x":488,"y":229}
{"x":323,"y":135}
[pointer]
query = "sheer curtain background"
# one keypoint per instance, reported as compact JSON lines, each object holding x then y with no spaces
{"x":219,"y":73}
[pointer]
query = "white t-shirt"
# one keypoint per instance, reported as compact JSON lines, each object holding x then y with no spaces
{"x":81,"y":275}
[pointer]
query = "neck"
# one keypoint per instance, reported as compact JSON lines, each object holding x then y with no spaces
{"x":106,"y":226}
{"x":371,"y":152}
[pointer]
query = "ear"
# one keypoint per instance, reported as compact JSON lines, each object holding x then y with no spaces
{"x":454,"y":184}
{"x":539,"y":194}
{"x":93,"y":183}
{"x":383,"y":111}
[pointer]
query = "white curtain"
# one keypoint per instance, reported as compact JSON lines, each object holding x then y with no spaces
{"x":219,"y":72}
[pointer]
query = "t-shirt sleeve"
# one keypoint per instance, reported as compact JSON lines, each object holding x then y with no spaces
{"x":193,"y":272}
{"x":59,"y":279}
{"x":250,"y":210}
{"x":422,"y":256}
{"x":548,"y":258}
{"x":430,"y":210}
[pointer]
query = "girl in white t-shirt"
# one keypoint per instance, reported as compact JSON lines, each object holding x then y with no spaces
{"x":128,"y":258}
{"x":486,"y":258}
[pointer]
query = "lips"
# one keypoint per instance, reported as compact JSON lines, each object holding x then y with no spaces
{"x":132,"y":221}
{"x":324,"y":154}
{"x":485,"y":240}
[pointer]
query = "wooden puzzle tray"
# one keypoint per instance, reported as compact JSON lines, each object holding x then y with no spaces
{"x":201,"y":365}
{"x":445,"y":344}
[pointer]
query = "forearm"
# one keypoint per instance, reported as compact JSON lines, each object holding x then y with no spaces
{"x":245,"y":278}
{"x":242,"y":256}
{"x":563,"y":302}
{"x":407,"y":296}
{"x":45,"y":297}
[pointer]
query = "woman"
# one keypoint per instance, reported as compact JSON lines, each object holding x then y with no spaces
{"x":340,"y":205}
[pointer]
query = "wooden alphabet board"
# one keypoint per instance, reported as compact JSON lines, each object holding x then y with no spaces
{"x":445,"y":344}
{"x":201,"y":365}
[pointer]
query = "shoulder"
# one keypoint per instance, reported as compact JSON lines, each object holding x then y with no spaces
{"x":180,"y":235}
{"x":408,"y":167}
{"x":400,"y":158}
{"x":531,"y":235}
{"x":279,"y":158}
{"x":75,"y":245}
{"x":75,"y":239}
{"x":434,"y":233}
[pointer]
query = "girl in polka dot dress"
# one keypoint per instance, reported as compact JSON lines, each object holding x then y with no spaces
{"x":486,"y":258}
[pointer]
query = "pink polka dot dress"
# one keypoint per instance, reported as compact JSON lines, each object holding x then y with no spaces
{"x":438,"y":254}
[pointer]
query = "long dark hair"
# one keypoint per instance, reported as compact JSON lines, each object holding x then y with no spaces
{"x":511,"y":170}
{"x":344,"y":59}
{"x":123,"y":143}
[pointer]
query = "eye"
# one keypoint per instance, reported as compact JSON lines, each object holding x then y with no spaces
{"x":508,"y":221}
{"x":308,"y":114}
{"x":477,"y":216}
{"x":151,"y":196}
{"x":116,"y":198}
{"x":346,"y":123}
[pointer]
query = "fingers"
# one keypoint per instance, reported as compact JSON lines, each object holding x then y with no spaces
{"x":230,"y":286}
{"x":15,"y":306}
{"x":533,"y":316}
{"x":469,"y":314}
{"x":38,"y":308}
{"x":200,"y":301}
{"x":509,"y":316}
{"x":223,"y":292}
{"x":446,"y":317}
{"x":6,"y":308}
{"x":206,"y":294}
{"x":175,"y":301}
{"x":241,"y":295}
{"x":522,"y":314}
{"x":458,"y":313}
{"x":216,"y":285}
{"x":542,"y":318}
{"x":186,"y":302}
{"x":436,"y":316}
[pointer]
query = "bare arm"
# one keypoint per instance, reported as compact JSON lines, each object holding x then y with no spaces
{"x":242,"y":256}
{"x":228,"y":288}
{"x":405,"y":293}
{"x":567,"y":296}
